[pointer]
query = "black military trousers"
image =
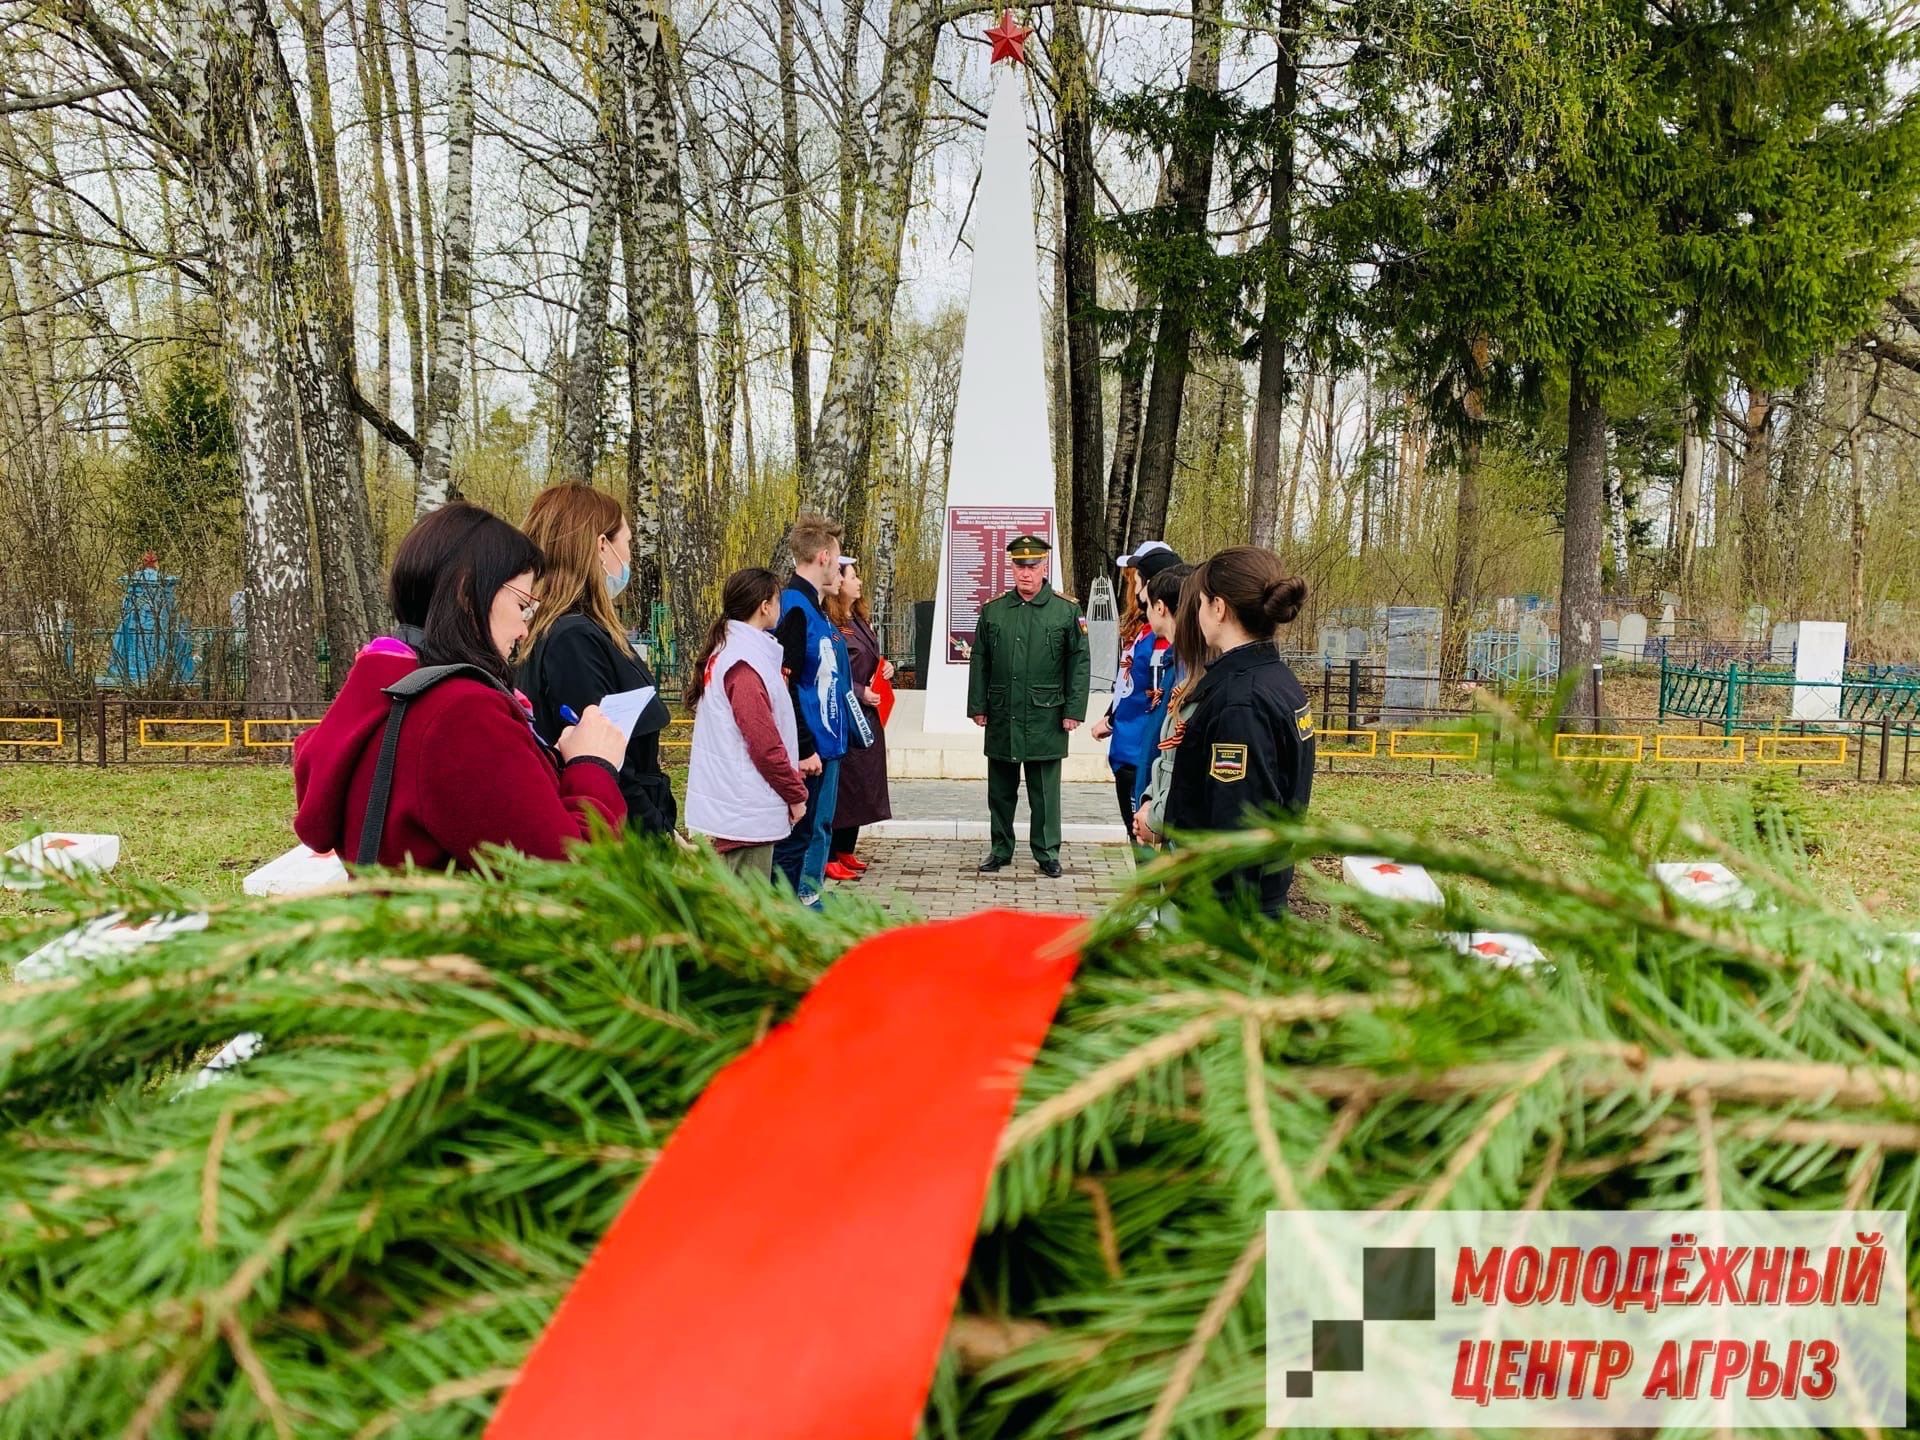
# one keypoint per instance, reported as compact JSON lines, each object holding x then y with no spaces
{"x":1043,"y":806}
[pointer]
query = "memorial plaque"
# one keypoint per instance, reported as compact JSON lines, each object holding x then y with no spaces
{"x":977,"y":566}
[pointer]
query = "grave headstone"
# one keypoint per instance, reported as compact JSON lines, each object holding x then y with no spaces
{"x":1753,"y":625}
{"x":1413,"y":637}
{"x":1536,"y":646}
{"x":296,"y":872}
{"x":1664,"y":627}
{"x":1498,"y":949}
{"x":1391,"y":879}
{"x":1785,"y":635}
{"x":1820,"y":660}
{"x":1333,"y":644}
{"x":1609,"y":637}
{"x":1704,"y":882}
{"x":107,"y":936}
{"x":1633,"y":636}
{"x":66,"y":852}
{"x":1506,"y":613}
{"x":1356,"y":642}
{"x":1890,"y":613}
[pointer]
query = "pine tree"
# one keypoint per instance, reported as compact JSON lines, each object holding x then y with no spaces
{"x":360,"y":1231}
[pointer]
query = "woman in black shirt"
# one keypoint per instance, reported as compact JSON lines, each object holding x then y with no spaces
{"x":577,"y":652}
{"x":1248,"y":746}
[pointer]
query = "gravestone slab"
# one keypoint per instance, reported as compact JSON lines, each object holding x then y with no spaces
{"x":1333,"y":644}
{"x":1413,"y":638}
{"x":1633,"y":636}
{"x":295,"y":873}
{"x":1390,"y":879}
{"x":1753,"y":625}
{"x":1536,"y":645}
{"x":65,"y":852}
{"x":1506,"y":612}
{"x":1819,"y":662}
{"x":1704,"y":882}
{"x":1609,"y":637}
{"x":97,"y":939}
{"x":1664,"y":626}
{"x":1786,"y":635}
{"x":1497,"y":948}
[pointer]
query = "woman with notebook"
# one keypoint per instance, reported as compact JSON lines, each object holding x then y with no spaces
{"x":577,"y":653}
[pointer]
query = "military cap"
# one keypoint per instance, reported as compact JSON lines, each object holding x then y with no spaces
{"x":1028,"y":547}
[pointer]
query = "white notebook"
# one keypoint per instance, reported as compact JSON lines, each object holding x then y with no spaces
{"x":624,"y":709}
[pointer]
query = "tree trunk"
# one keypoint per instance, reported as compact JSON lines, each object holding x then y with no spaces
{"x":215,"y":40}
{"x":643,"y":489}
{"x":316,"y":323}
{"x":583,"y":393}
{"x":1276,"y":263}
{"x":799,"y":343}
{"x":389,"y":263}
{"x":1461,"y":592}
{"x":1126,"y":450}
{"x":1686,"y":526}
{"x":1857,"y":528}
{"x":670,"y":442}
{"x":1298,"y":466}
{"x":1799,"y":472}
{"x":1190,"y":186}
{"x":844,"y":434}
{"x":1086,"y":423}
{"x":456,"y":277}
{"x":406,"y":259}
{"x":1585,"y":519}
{"x":1060,"y":420}
{"x":851,"y":165}
{"x":1755,"y":484}
{"x":410,"y":52}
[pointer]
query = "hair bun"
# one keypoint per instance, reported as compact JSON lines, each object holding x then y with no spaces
{"x":1281,"y":599}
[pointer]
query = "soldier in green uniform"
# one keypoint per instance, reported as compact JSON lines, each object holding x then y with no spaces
{"x":1027,"y":686}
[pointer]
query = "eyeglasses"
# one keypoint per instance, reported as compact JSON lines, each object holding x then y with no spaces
{"x":529,"y":607}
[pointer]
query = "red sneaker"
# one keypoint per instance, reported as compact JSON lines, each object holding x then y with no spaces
{"x":852,"y":862}
{"x":837,"y":871}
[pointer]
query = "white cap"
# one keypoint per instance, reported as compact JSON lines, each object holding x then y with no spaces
{"x":1145,"y":547}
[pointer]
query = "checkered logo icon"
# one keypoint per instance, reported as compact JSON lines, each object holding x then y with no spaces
{"x":1397,"y":1283}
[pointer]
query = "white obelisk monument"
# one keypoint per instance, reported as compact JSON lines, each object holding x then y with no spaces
{"x":1001,"y":481}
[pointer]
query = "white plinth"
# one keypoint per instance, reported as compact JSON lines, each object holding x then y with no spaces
{"x":109,"y":935}
{"x":915,"y":752}
{"x":1391,"y":879}
{"x":65,"y":851}
{"x":295,"y":873}
{"x":1704,"y":882}
{"x":1499,"y":949}
{"x":1818,"y":664}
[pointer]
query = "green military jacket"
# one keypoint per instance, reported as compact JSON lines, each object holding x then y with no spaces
{"x":1029,"y":671}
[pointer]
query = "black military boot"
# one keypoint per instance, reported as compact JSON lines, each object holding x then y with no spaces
{"x":993,"y":864}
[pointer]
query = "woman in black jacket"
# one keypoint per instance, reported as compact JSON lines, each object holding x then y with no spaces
{"x":577,"y":653}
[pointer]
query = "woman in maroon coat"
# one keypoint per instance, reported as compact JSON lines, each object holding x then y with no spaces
{"x":863,"y":773}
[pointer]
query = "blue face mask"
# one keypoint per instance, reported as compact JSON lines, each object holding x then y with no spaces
{"x":617,"y":583}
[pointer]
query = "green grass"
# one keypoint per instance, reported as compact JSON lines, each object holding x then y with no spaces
{"x":204,"y":829}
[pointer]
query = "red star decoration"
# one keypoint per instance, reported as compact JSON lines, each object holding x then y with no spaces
{"x":61,"y":844}
{"x":1009,"y":40}
{"x":1386,"y":869}
{"x":1491,"y":947}
{"x":1702,"y":877}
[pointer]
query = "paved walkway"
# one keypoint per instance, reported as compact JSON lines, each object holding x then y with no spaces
{"x":957,"y":810}
{"x":937,"y":879}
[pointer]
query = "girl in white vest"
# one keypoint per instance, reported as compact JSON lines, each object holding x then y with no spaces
{"x":744,"y":789}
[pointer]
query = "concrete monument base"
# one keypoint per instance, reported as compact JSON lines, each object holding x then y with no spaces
{"x":915,"y":753}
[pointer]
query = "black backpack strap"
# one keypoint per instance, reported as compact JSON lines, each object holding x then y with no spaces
{"x":403,"y":692}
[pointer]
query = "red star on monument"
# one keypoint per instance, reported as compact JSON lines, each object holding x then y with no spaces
{"x":61,"y":844}
{"x":1386,"y":868}
{"x":1009,"y":40}
{"x":1491,"y":947}
{"x":1702,"y":877}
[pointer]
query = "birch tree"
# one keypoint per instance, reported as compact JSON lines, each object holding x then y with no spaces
{"x":456,"y":272}
{"x":583,"y":391}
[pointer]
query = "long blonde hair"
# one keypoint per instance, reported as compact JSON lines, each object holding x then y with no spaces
{"x":568,"y":522}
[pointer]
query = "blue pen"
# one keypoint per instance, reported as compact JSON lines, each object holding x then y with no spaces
{"x":567,"y":715}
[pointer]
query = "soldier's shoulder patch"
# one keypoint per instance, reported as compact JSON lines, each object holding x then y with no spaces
{"x":1228,"y":763}
{"x":1303,"y":721}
